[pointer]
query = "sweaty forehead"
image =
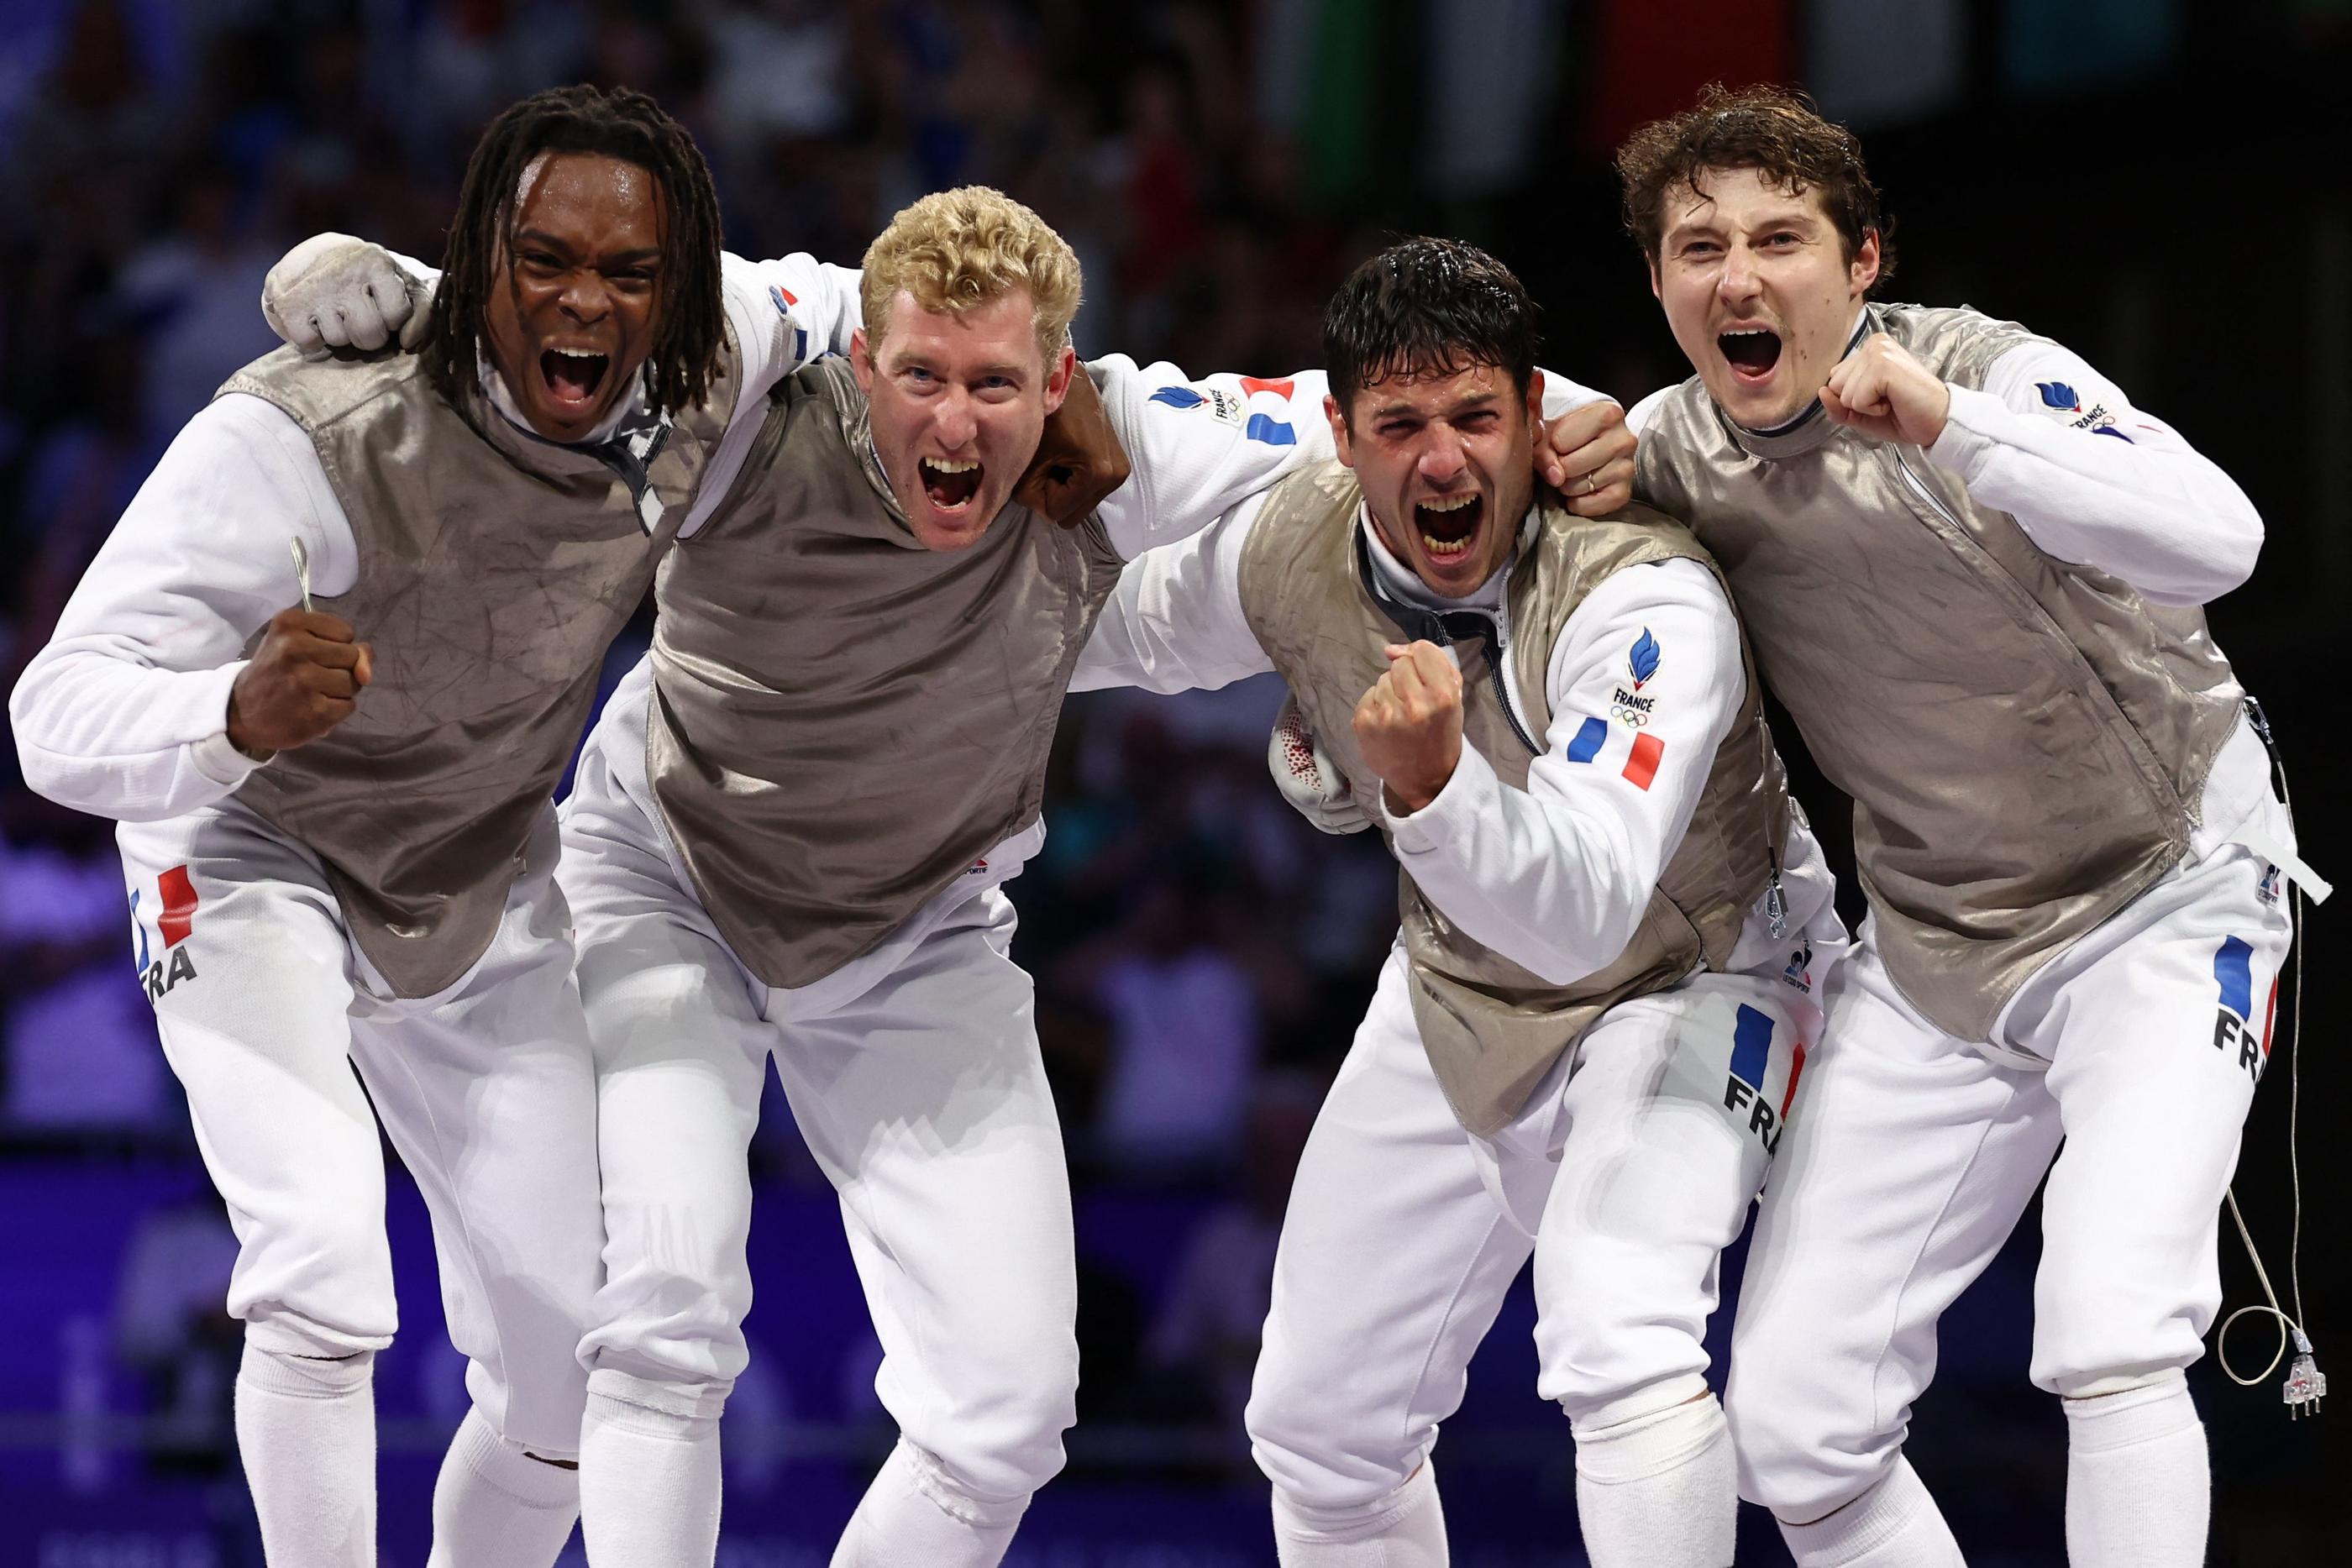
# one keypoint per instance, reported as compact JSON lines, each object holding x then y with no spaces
{"x":1002,"y":332}
{"x":1735,"y":198}
{"x":1433,"y":391}
{"x":568,"y":191}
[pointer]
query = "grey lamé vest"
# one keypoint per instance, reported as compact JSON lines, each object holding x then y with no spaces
{"x":843,"y":721}
{"x":494,"y":569}
{"x":2026,"y":740}
{"x":1492,"y":1029}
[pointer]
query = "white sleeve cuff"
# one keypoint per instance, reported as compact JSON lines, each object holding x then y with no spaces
{"x":214,"y":756}
{"x":1465,"y":798}
{"x":1972,"y":428}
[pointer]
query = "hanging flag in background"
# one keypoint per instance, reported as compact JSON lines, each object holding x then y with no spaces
{"x":2084,"y":45}
{"x":1651,"y":57}
{"x":1317,"y":67}
{"x":1870,"y":62}
{"x":1341,"y":126}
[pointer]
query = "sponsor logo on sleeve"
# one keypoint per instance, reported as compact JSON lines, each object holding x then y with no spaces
{"x":1229,"y":408}
{"x":1630,"y":707}
{"x":2065,"y":405}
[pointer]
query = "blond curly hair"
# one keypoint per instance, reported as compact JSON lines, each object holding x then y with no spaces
{"x":972,"y":245}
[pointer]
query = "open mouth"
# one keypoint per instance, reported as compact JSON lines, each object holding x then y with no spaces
{"x":951,"y":483}
{"x":573,"y":378}
{"x":1752,"y":351}
{"x":1447,"y":524}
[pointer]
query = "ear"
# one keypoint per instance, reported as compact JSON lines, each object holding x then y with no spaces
{"x":1535,"y":399}
{"x":1656,"y":292}
{"x":1863,"y":270}
{"x":861,"y":361}
{"x":1339,"y":430}
{"x":1057,"y":379}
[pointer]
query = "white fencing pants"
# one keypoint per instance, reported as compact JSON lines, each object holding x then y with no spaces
{"x":1916,"y":1154}
{"x":486,"y":1090}
{"x":1628,"y":1171}
{"x":915,"y":1077}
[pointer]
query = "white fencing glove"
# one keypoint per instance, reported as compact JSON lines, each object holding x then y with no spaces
{"x":1307,"y":777}
{"x":334,"y":292}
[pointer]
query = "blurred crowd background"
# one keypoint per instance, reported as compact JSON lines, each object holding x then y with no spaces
{"x":2156,"y":183}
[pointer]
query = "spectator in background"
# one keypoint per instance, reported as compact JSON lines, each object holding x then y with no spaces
{"x":1184,"y":1025}
{"x":1207,"y":1331}
{"x":193,"y":294}
{"x":81,"y":1045}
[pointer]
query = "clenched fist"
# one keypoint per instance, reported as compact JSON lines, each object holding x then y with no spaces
{"x":302,"y":680}
{"x":1881,"y":391}
{"x":1079,"y":461}
{"x":1587,"y":454}
{"x":1408,"y":726}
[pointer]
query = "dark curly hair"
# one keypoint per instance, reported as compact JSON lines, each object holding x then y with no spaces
{"x":1778,"y":132}
{"x":1427,"y":307}
{"x":622,"y":124}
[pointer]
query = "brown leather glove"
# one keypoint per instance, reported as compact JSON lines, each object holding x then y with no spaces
{"x":1079,"y":461}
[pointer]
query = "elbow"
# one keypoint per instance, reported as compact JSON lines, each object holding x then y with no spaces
{"x":2245,"y":547}
{"x":47,"y":775}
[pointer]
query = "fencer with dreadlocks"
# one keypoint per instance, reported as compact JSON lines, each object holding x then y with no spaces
{"x":326,"y":674}
{"x":1589,"y":1030}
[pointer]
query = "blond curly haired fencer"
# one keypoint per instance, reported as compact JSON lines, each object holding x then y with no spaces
{"x":956,"y":249}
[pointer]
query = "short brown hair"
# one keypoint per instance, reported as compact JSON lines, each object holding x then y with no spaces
{"x":1778,"y":133}
{"x":972,"y":245}
{"x":1426,"y":306}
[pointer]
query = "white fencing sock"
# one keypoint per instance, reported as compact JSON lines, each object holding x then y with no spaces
{"x":1895,"y":1524}
{"x":2139,"y":1486}
{"x":649,"y":1485}
{"x":497,"y":1507}
{"x":306,"y":1431}
{"x":914,"y":1516}
{"x":1658,"y":1492}
{"x":1405,"y":1529}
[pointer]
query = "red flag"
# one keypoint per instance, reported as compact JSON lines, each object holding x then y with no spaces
{"x":179,"y":905}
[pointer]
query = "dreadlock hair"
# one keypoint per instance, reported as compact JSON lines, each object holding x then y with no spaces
{"x":622,"y":124}
{"x":1427,"y":307}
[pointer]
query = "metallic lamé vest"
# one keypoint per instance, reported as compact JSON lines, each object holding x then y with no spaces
{"x":494,"y":569}
{"x":843,"y":721}
{"x":2026,"y":740}
{"x":1492,"y":1029}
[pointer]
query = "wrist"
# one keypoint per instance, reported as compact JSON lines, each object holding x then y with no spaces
{"x":240,"y":735}
{"x":1403,"y":801}
{"x":1413,"y":794}
{"x":1938,"y":411}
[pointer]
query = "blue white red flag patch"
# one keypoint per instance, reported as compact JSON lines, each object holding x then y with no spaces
{"x":1227,"y":409}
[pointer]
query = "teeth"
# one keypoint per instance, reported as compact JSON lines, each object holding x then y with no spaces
{"x":1450,"y":503}
{"x":579,"y":354}
{"x":1444,"y":548}
{"x":951,"y":466}
{"x":1746,"y":332}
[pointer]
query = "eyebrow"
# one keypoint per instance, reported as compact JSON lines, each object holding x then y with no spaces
{"x":557,"y":241}
{"x":1788,"y":218}
{"x":1469,"y":404}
